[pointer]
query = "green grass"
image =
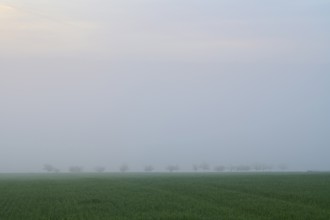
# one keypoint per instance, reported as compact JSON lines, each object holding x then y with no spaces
{"x":165,"y":196}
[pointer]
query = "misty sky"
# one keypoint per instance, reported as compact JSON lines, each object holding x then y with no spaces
{"x":106,"y":82}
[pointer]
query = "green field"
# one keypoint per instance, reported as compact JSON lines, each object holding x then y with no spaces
{"x":165,"y":196}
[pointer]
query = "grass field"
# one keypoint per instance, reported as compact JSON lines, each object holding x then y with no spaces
{"x":165,"y":196}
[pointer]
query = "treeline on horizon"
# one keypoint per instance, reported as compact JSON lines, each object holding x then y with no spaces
{"x":203,"y":167}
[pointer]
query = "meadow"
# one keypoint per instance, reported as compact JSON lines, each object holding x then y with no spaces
{"x":165,"y":196}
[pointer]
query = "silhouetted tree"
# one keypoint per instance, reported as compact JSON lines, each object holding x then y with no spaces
{"x":258,"y":167}
{"x":172,"y":168}
{"x":99,"y":169}
{"x":262,"y":167}
{"x":232,"y":168}
{"x":243,"y":168}
{"x":49,"y":168}
{"x":57,"y":170}
{"x":75,"y":169}
{"x":123,"y":168}
{"x":148,"y":168}
{"x":283,"y":166}
{"x":219,"y":168}
{"x":204,"y":167}
{"x":195,"y":167}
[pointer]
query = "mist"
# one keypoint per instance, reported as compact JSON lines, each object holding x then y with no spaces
{"x":105,"y":83}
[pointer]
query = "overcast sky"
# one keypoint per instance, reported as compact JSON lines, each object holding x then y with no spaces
{"x":106,"y":82}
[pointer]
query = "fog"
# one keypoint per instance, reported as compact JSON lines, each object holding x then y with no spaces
{"x":105,"y":83}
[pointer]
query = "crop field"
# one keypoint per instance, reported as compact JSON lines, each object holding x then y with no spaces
{"x":165,"y":196}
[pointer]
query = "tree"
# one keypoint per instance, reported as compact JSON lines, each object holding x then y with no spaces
{"x":123,"y":168}
{"x":49,"y":168}
{"x":258,"y":167}
{"x":99,"y":169}
{"x":195,"y":167}
{"x":243,"y":168}
{"x":148,"y":168}
{"x":219,"y":168}
{"x":75,"y":169}
{"x":57,"y":170}
{"x":232,"y":168}
{"x":204,"y":166}
{"x":262,"y":167}
{"x":283,"y":166}
{"x":172,"y":168}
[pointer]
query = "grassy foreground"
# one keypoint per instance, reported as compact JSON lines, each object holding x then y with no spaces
{"x":165,"y":196}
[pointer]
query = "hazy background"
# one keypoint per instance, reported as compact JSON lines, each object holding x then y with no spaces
{"x":106,"y":82}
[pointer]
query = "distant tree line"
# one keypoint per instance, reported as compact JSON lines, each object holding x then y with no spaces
{"x":51,"y":169}
{"x":202,"y":167}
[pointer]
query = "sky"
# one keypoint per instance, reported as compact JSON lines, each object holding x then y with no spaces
{"x":138,"y":82}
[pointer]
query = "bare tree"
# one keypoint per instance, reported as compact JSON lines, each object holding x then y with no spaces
{"x":49,"y":168}
{"x":56,"y":170}
{"x":258,"y":167}
{"x":219,"y":168}
{"x":123,"y":168}
{"x":243,"y":168}
{"x":75,"y":169}
{"x":148,"y":168}
{"x":204,"y":167}
{"x":172,"y":168}
{"x":262,"y":167}
{"x":283,"y":166}
{"x":269,"y":167}
{"x":232,"y":168}
{"x":99,"y":169}
{"x":195,"y":167}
